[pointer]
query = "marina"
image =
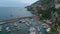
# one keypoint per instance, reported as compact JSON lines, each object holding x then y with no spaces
{"x":23,"y":27}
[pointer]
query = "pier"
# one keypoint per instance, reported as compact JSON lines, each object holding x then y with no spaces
{"x":16,"y":19}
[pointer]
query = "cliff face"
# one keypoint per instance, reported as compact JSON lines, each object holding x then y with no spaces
{"x":45,"y":7}
{"x":43,"y":4}
{"x":46,"y":4}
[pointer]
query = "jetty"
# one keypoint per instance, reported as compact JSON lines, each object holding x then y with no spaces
{"x":16,"y":19}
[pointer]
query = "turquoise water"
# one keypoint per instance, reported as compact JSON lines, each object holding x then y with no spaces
{"x":24,"y":30}
{"x":35,"y":24}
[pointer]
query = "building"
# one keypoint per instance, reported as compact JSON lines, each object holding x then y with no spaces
{"x":57,"y":4}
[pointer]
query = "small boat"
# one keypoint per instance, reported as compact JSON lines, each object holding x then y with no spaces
{"x":27,"y":24}
{"x":48,"y":30}
{"x":15,"y":24}
{"x":20,"y":21}
{"x":23,"y":20}
{"x":18,"y":28}
{"x":38,"y":28}
{"x":45,"y":25}
{"x":8,"y":29}
{"x":32,"y":30}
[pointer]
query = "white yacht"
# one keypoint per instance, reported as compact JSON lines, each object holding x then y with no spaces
{"x":32,"y":30}
{"x":15,"y":24}
{"x":23,"y":20}
{"x":38,"y":28}
{"x":45,"y":25}
{"x":8,"y":29}
{"x":48,"y":30}
{"x":18,"y":28}
{"x":27,"y":23}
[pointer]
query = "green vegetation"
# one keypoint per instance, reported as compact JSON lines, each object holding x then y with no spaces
{"x":46,"y":14}
{"x":53,"y":30}
{"x":57,"y":22}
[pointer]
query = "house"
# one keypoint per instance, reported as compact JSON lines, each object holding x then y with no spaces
{"x":57,"y":4}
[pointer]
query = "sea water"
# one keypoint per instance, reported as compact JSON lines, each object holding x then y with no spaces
{"x":15,"y":12}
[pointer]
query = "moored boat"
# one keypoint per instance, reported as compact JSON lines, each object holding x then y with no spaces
{"x":8,"y":29}
{"x":32,"y":30}
{"x":18,"y":28}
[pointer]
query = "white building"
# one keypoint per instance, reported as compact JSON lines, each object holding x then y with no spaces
{"x":57,"y":6}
